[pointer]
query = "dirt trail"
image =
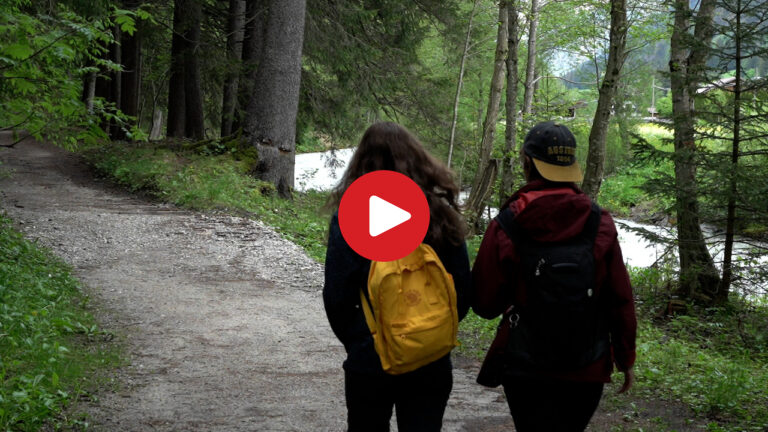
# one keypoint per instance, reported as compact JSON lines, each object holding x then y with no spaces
{"x":223,"y":319}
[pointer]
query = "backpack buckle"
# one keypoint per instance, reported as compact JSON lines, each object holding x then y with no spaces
{"x":514,"y":319}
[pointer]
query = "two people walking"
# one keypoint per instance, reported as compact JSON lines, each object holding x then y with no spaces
{"x":550,"y":265}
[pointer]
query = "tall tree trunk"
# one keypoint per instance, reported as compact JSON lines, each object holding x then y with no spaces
{"x":593,"y":175}
{"x":476,"y":201}
{"x":699,"y":278}
{"x":115,"y":90}
{"x":475,"y":205}
{"x":460,"y":83}
{"x":530,"y":67}
{"x":131,"y":60}
{"x":157,"y":125}
{"x":235,"y":22}
{"x":176,"y":97}
{"x":730,"y":224}
{"x":195,"y":120}
{"x":254,"y":34}
{"x":510,"y":133}
{"x":130,"y":76}
{"x":274,"y":104}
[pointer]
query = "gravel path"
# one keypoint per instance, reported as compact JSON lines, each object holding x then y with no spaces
{"x":223,"y":319}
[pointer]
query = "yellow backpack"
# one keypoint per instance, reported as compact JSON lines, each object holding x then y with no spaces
{"x":412,"y":312}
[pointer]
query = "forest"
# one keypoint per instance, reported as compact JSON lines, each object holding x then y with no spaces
{"x":206,"y":104}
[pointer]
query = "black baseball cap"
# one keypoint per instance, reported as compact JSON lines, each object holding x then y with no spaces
{"x":552,"y":147}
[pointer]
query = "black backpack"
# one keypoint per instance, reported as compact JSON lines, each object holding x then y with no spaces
{"x":560,"y":326}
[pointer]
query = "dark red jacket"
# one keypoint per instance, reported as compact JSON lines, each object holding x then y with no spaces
{"x":553,"y":212}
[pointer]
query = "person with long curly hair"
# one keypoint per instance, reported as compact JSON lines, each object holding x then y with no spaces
{"x":418,"y":397}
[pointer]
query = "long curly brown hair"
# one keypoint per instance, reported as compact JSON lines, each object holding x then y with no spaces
{"x":389,"y":146}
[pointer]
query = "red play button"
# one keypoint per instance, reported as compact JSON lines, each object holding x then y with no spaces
{"x":384,"y":215}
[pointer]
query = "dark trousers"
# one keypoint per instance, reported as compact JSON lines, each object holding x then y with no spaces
{"x":419,"y":399}
{"x":539,"y":405}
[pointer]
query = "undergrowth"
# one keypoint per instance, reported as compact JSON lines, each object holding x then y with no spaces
{"x":50,"y":347}
{"x":621,"y":191}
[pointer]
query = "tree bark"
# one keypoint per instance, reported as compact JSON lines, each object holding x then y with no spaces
{"x":235,"y":22}
{"x":157,"y":126}
{"x":460,"y":83}
{"x":475,"y":205}
{"x":272,"y":111}
{"x":476,"y":202}
{"x":176,"y":96}
{"x":131,"y":60}
{"x":593,"y":175}
{"x":195,"y":120}
{"x":115,"y":90}
{"x":510,"y":133}
{"x":699,"y":278}
{"x":253,"y":45}
{"x":530,"y":67}
{"x":730,"y":224}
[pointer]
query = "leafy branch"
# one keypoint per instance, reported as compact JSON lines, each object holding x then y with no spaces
{"x":38,"y":52}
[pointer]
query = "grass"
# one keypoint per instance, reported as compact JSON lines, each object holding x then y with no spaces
{"x":51,"y":349}
{"x":714,"y":362}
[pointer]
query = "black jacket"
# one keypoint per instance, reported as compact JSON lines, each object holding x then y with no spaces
{"x":346,"y":273}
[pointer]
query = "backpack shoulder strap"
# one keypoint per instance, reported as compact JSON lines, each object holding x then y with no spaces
{"x":365,"y":303}
{"x":507,"y":222}
{"x":593,"y":223}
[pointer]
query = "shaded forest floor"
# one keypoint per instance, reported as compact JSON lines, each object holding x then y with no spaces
{"x":222,"y":318}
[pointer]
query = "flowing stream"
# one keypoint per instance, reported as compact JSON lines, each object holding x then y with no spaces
{"x":321,"y":171}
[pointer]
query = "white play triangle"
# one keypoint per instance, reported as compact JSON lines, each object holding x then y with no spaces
{"x":383,"y":216}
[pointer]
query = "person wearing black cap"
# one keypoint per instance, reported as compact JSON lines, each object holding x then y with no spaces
{"x":550,"y":263}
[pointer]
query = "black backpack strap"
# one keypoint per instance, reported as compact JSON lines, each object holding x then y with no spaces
{"x":593,"y":223}
{"x":507,"y":222}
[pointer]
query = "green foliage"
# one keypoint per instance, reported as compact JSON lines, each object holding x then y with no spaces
{"x":664,"y":106}
{"x":310,"y":141}
{"x":625,"y":188}
{"x":476,"y":335}
{"x":621,"y":191}
{"x":715,"y":360}
{"x":361,"y":63}
{"x":43,"y":59}
{"x":50,"y":347}
{"x":728,"y":385}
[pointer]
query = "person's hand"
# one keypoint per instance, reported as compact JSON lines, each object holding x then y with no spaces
{"x":629,"y":379}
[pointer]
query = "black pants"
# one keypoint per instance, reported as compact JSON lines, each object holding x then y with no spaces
{"x":419,"y":399}
{"x":539,"y":405}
